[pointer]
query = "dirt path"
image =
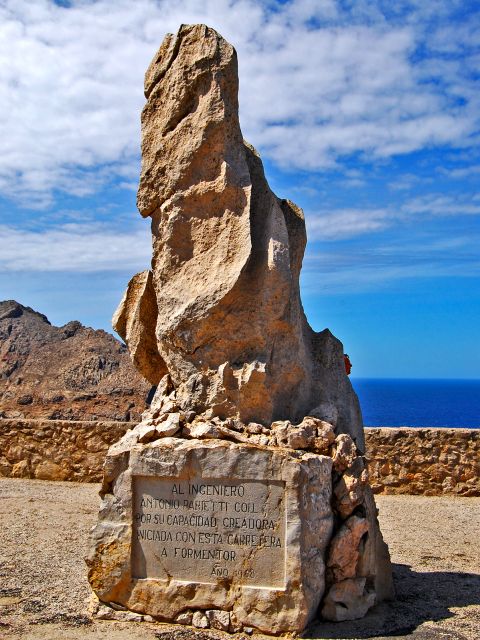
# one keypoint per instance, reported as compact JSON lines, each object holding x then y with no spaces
{"x":44,"y":594}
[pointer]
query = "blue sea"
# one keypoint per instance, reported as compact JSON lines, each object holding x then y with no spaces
{"x":419,"y":403}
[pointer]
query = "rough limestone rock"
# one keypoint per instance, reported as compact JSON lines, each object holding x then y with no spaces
{"x":221,"y":310}
{"x":241,"y":502}
{"x":135,"y":314}
{"x":349,"y":491}
{"x":348,"y":600}
{"x":344,"y":552}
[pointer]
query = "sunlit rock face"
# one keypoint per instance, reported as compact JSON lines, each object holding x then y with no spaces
{"x":221,"y":310}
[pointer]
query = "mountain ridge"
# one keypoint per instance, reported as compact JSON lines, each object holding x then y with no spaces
{"x":70,"y":372}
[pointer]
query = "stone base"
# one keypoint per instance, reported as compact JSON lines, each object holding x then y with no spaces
{"x":226,"y":535}
{"x":211,"y":527}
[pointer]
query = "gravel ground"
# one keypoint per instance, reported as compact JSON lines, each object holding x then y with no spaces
{"x":44,"y":593}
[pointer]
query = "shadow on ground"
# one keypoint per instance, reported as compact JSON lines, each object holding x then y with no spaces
{"x":421,"y":597}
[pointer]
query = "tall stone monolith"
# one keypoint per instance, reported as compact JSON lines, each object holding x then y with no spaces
{"x":242,"y":499}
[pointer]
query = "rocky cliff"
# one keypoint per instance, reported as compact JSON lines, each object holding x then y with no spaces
{"x":70,"y":372}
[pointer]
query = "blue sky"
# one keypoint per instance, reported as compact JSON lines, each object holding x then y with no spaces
{"x":367,"y":114}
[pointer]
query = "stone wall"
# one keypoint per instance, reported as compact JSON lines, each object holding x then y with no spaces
{"x":414,"y":461}
{"x":428,"y":462}
{"x":56,"y":449}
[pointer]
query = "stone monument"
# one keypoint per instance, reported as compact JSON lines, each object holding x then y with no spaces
{"x":242,"y":498}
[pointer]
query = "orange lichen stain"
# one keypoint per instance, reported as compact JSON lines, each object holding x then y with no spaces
{"x":107,"y":566}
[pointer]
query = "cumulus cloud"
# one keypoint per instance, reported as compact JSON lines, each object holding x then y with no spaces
{"x":386,"y":262}
{"x":345,"y":223}
{"x":341,"y":224}
{"x":318,"y":82}
{"x":74,"y":248}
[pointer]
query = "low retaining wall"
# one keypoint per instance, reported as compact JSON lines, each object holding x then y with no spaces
{"x":429,"y":462}
{"x":56,"y":449}
{"x":414,"y":461}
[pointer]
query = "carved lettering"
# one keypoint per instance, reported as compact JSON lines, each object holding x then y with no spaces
{"x":206,"y":530}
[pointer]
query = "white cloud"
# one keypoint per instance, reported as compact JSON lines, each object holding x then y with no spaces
{"x":440,"y":205}
{"x":461,"y":173}
{"x":342,"y":272}
{"x":345,"y":223}
{"x":317,"y":83}
{"x":74,"y":248}
{"x":341,"y":224}
{"x":408,"y":181}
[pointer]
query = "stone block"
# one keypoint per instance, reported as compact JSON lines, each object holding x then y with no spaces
{"x":218,"y":619}
{"x":48,"y":470}
{"x":216,"y":527}
{"x":21,"y":469}
{"x":200,"y":620}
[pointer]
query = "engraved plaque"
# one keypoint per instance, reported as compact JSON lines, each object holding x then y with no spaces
{"x":205,"y":530}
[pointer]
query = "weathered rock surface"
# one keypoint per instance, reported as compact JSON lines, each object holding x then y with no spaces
{"x":65,"y":373}
{"x":359,"y":570}
{"x":348,"y":600}
{"x":221,"y":309}
{"x":344,"y":552}
{"x":135,"y":315}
